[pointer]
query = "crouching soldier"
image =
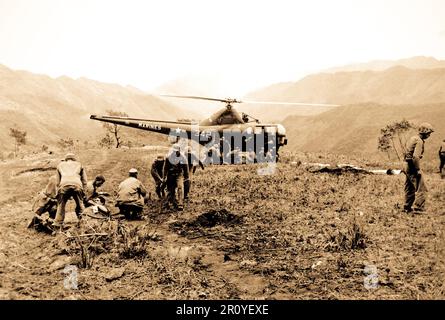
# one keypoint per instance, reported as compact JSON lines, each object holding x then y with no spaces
{"x":157,"y":173}
{"x":131,"y":196}
{"x":95,"y":198}
{"x":46,"y":201}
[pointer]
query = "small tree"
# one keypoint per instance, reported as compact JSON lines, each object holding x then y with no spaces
{"x":393,"y":138}
{"x":106,"y":142}
{"x":19,"y":138}
{"x":113,"y":129}
{"x":66,"y":143}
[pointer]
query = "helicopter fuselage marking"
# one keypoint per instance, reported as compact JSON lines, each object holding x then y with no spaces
{"x":150,"y":126}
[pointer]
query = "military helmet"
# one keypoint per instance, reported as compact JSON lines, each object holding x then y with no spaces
{"x":160,"y":157}
{"x":70,"y":156}
{"x":426,"y":128}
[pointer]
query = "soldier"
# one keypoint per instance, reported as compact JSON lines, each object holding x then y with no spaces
{"x":442,"y":158}
{"x":91,"y":190}
{"x":415,"y":188}
{"x":71,"y":181}
{"x":47,"y":199}
{"x":192,"y":162}
{"x":131,"y":196}
{"x":225,"y":150}
{"x":175,"y":167}
{"x":157,"y":172}
{"x":213,"y":155}
{"x":93,"y":197}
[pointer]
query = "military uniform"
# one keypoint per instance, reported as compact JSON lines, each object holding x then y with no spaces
{"x":225,"y":151}
{"x":90,"y":192}
{"x":71,"y":182}
{"x":157,"y":173}
{"x":415,"y":188}
{"x":47,"y":199}
{"x":213,"y":155}
{"x":442,"y":158}
{"x":192,"y":163}
{"x":176,"y":167}
{"x":131,"y":197}
{"x":93,"y":198}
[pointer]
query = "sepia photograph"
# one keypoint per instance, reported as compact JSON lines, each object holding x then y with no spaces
{"x":236,"y":151}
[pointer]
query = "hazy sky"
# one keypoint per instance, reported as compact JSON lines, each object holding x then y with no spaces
{"x":245,"y":43}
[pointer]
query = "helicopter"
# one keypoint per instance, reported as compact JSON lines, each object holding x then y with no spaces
{"x":231,"y":130}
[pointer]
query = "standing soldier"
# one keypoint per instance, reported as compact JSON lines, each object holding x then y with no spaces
{"x":225,"y":151}
{"x":442,"y":158}
{"x":193,"y":162}
{"x":71,"y":182}
{"x":175,"y":167}
{"x":157,"y":173}
{"x":213,"y":155}
{"x":131,"y":196}
{"x":415,"y":188}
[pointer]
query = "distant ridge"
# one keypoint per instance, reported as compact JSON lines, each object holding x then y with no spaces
{"x":419,"y":62}
{"x":397,"y":85}
{"x":50,"y":109}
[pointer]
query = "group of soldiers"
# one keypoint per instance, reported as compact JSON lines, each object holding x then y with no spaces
{"x":415,"y":187}
{"x":168,"y":172}
{"x":70,"y":182}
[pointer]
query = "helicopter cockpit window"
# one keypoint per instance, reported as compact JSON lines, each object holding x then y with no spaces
{"x":229,"y":117}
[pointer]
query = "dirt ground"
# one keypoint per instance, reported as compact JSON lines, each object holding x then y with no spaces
{"x":290,"y":235}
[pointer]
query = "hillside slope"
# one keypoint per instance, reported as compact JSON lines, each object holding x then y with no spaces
{"x":395,"y":86}
{"x":356,"y":128}
{"x":50,"y":109}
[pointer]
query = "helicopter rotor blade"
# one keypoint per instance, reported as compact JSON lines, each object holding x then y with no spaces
{"x":230,"y":101}
{"x":201,"y":98}
{"x":291,"y":103}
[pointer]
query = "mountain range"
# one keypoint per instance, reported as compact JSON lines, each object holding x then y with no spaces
{"x":397,"y":85}
{"x":49,"y":109}
{"x":354,"y":129}
{"x":419,"y":62}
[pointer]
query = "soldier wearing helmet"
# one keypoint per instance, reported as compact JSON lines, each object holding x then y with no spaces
{"x":442,"y":158}
{"x":415,"y":188}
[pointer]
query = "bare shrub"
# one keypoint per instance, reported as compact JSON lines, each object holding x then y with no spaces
{"x":353,"y":237}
